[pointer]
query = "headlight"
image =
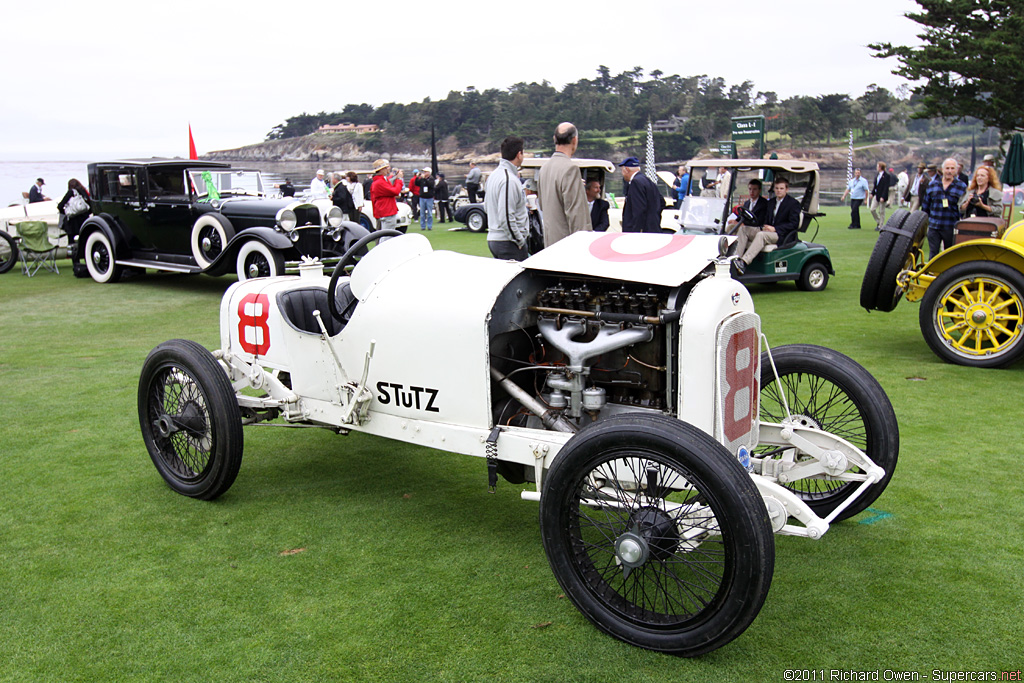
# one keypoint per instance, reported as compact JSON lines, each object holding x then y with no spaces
{"x":286,"y":220}
{"x":335,"y":217}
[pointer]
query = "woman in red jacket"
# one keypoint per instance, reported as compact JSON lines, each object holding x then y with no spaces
{"x":383,"y":191}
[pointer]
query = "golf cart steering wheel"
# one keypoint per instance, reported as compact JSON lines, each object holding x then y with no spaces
{"x":745,"y":216}
{"x":351,"y":257}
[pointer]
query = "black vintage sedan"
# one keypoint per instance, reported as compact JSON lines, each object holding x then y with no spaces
{"x":473,"y":215}
{"x":192,"y":216}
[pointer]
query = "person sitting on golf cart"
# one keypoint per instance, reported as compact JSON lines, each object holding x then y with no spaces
{"x":756,"y":204}
{"x":782,"y":220}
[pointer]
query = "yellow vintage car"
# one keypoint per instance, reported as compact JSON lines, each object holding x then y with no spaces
{"x":972,"y":294}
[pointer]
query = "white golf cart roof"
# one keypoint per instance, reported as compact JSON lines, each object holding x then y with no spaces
{"x":790,"y":165}
{"x":537,"y":162}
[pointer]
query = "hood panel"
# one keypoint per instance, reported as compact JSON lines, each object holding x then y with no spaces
{"x":668,"y":260}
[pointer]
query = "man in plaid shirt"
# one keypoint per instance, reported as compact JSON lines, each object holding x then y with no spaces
{"x":941,"y":202}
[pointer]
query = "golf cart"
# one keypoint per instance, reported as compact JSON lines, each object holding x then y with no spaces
{"x":807,"y":263}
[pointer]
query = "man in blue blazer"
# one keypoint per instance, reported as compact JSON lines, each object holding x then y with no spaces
{"x":781,"y":225}
{"x":642,"y":212}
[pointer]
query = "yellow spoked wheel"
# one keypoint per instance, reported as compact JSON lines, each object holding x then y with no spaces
{"x":973,"y":314}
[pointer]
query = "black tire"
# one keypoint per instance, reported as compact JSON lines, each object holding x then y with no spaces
{"x":8,"y":252}
{"x":679,"y":564}
{"x":813,"y":277}
{"x":476,"y":221}
{"x":190,"y":419}
{"x":256,"y":259}
{"x":99,"y":258}
{"x":365,"y":221}
{"x":879,"y":257}
{"x":832,"y":392}
{"x":902,"y":256}
{"x":972,"y":315}
{"x":210,"y":236}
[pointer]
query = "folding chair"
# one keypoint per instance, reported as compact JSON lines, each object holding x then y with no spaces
{"x":36,"y":250}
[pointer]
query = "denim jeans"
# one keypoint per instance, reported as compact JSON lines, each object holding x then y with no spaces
{"x":426,"y":214}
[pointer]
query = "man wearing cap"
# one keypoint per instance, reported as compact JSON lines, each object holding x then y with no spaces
{"x":35,"y":193}
{"x":425,"y":184}
{"x":414,"y":195}
{"x":318,"y":187}
{"x":385,"y":188}
{"x":560,"y":189}
{"x":642,"y":211}
{"x":989,"y":160}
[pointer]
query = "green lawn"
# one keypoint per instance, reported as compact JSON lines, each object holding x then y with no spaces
{"x":408,"y":569}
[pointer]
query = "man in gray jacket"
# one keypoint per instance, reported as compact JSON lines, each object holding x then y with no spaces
{"x":563,"y":199}
{"x":508,"y":224}
{"x":473,"y":182}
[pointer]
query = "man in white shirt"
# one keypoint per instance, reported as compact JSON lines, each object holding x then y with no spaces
{"x":318,"y":187}
{"x":723,"y":181}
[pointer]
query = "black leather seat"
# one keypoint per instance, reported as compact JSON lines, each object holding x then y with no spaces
{"x":298,"y":305}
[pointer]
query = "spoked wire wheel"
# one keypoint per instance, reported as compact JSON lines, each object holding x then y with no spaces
{"x":657,"y":535}
{"x":190,"y":419}
{"x":825,"y":390}
{"x":973,"y":314}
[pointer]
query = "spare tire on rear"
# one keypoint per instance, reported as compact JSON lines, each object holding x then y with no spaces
{"x":901,"y":257}
{"x":879,"y":258}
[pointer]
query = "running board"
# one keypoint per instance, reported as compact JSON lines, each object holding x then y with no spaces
{"x":160,"y":265}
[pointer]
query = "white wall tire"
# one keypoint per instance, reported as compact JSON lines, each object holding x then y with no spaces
{"x":256,"y":259}
{"x":210,"y":235}
{"x":99,"y":258}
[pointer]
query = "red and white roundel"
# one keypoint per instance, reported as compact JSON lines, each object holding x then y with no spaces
{"x":617,"y":247}
{"x":663,"y":259}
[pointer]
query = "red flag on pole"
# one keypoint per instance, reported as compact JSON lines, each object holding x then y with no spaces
{"x":191,"y":144}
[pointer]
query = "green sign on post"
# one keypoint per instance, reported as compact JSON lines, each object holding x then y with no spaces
{"x":727,"y":148}
{"x":749,"y":128}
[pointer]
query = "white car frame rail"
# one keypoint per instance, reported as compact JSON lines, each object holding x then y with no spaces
{"x":620,"y":375}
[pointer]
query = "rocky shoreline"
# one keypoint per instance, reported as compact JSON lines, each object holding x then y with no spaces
{"x":351,"y":148}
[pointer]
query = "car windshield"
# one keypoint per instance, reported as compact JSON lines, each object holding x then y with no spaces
{"x":708,"y":213}
{"x":215,"y":183}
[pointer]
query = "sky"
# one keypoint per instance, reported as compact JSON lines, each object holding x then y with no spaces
{"x":114,"y":79}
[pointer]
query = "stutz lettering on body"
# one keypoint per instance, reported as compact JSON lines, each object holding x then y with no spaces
{"x":419,"y":398}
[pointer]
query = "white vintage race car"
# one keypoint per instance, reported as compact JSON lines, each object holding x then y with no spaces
{"x":619,"y":375}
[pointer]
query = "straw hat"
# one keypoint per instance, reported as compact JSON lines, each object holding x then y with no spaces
{"x":380,"y":165}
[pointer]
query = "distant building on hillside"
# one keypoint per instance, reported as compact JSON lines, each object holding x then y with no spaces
{"x":348,"y":128}
{"x":672,"y":124}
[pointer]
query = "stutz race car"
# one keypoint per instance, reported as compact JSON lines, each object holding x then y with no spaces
{"x":619,"y":376}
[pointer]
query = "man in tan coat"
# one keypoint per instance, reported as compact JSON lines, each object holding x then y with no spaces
{"x":563,"y":199}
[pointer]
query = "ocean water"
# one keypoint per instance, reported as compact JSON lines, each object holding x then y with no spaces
{"x":18,"y":176}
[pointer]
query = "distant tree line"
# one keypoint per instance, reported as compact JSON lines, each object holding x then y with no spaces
{"x":619,"y":106}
